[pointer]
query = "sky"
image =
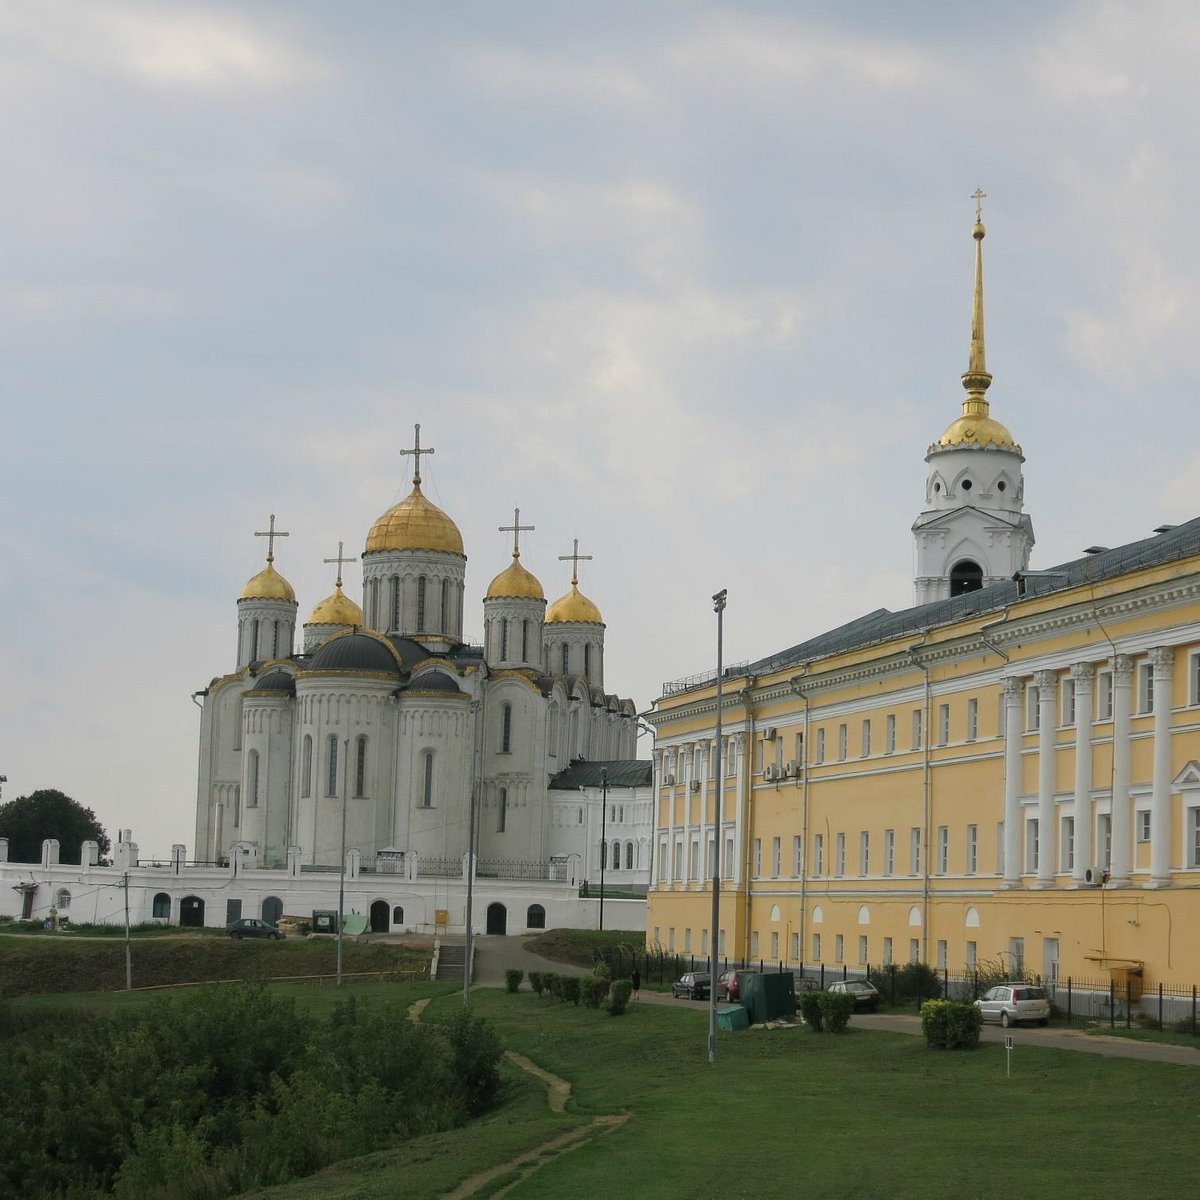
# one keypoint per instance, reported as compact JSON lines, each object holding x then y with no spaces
{"x":688,"y":281}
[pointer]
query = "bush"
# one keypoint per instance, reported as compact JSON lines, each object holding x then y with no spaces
{"x":593,"y":990}
{"x":569,"y":989}
{"x":513,"y":977}
{"x":537,"y":981}
{"x":913,"y":981}
{"x":835,"y":1010}
{"x":619,"y":996}
{"x":810,"y":1009}
{"x":950,"y":1024}
{"x":602,"y":971}
{"x":477,"y":1053}
{"x":553,"y":985}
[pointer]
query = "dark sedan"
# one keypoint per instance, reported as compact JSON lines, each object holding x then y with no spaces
{"x":691,"y":986}
{"x":253,"y":928}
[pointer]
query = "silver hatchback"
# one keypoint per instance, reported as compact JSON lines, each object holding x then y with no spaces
{"x":1012,"y":1003}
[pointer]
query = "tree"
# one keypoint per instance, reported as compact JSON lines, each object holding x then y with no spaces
{"x":49,"y":813}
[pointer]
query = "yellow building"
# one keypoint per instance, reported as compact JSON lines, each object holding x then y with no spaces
{"x":1008,"y":773}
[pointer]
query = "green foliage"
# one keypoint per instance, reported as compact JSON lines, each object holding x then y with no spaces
{"x":48,"y":813}
{"x":990,"y":972}
{"x":618,"y":996}
{"x":569,"y":989}
{"x":810,"y":1009}
{"x":913,"y":981}
{"x":477,"y":1053}
{"x":553,"y":985}
{"x":512,"y":978}
{"x":950,"y":1024}
{"x":835,"y":1010}
{"x":582,"y":947}
{"x":594,"y":990}
{"x":537,"y":981}
{"x":602,"y":970}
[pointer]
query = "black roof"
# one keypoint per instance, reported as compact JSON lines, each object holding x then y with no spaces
{"x":435,"y":681}
{"x":1182,"y":541}
{"x":354,"y":652}
{"x":275,"y":681}
{"x":622,"y":773}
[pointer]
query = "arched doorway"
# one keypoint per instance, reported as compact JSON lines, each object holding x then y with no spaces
{"x":379,"y":916}
{"x":191,"y":912}
{"x":161,"y":909}
{"x":272,"y":909}
{"x":497,"y":918}
{"x":535,"y":918}
{"x":965,"y":576}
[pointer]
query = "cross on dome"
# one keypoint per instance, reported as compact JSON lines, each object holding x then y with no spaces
{"x":575,"y":558}
{"x":271,"y":534}
{"x":979,"y":196}
{"x":516,"y":529}
{"x":340,"y":560}
{"x":416,"y":452}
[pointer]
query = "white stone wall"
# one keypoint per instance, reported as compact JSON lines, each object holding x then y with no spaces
{"x":387,"y":570}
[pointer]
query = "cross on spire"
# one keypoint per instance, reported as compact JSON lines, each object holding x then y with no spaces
{"x":340,"y":560}
{"x":575,"y":558}
{"x":516,"y":529}
{"x":271,"y":534}
{"x":416,"y":452}
{"x":979,"y":196}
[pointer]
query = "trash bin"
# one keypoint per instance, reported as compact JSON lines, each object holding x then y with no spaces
{"x":768,"y":996}
{"x":732,"y":1017}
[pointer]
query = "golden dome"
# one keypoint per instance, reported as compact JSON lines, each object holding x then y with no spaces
{"x":268,"y":584}
{"x":415,"y":524}
{"x":976,"y":431}
{"x":573,"y":608}
{"x":515,"y":583}
{"x":337,"y":609}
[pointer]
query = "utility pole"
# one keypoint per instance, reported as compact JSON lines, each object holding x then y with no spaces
{"x":342,"y":867}
{"x":719,"y":609}
{"x":128,"y":954}
{"x":603,"y":836}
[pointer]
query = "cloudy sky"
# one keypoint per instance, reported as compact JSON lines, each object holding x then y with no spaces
{"x":687,"y":281}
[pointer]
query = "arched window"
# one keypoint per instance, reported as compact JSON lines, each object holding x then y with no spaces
{"x":421,"y":603}
{"x":161,"y":907}
{"x":331,"y":778}
{"x":506,"y":729}
{"x":629,"y":863}
{"x":397,"y":915}
{"x":62,"y":900}
{"x":525,"y":641}
{"x":502,"y":810}
{"x":445,"y":613}
{"x":566,"y":659}
{"x":603,"y":856}
{"x":252,"y":780}
{"x":360,"y":767}
{"x":275,"y":639}
{"x":552,"y":730}
{"x":535,"y":918}
{"x":394,"y":627}
{"x":306,"y":766}
{"x":965,"y":576}
{"x":253,"y":640}
{"x":587,"y":662}
{"x":616,"y":856}
{"x":427,"y":779}
{"x":504,"y":639}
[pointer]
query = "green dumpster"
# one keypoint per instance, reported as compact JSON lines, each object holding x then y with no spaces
{"x":767,"y":996}
{"x":732,"y":1017}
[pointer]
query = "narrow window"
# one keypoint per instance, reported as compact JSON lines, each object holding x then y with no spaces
{"x":754,"y":944}
{"x":427,"y":779}
{"x":943,"y":849}
{"x":816,"y":947}
{"x":972,"y":719}
{"x":757,"y":857}
{"x":587,"y":662}
{"x":776,"y":857}
{"x":916,"y":729}
{"x":504,"y":639}
{"x":1067,"y":844}
{"x":1194,"y":677}
{"x":862,"y":949}
{"x":1032,"y":707}
{"x":774,"y":946}
{"x":887,"y":951}
{"x":797,"y":856}
{"x":1104,"y":696}
{"x":421,"y":581}
{"x":889,"y":851}
{"x":252,"y":780}
{"x":1143,"y":825}
{"x":818,"y":853}
{"x":395,"y":625}
{"x":506,"y":729}
{"x":1031,"y":845}
{"x":941,"y":954}
{"x":360,"y":767}
{"x":525,"y":641}
{"x":445,"y":606}
{"x":866,"y":739}
{"x":841,"y":743}
{"x":890,"y":738}
{"x":943,"y":724}
{"x":254,"y":640}
{"x":972,"y":848}
{"x":972,"y":956}
{"x":306,"y":766}
{"x":502,"y":811}
{"x":839,"y":947}
{"x":616,"y":857}
{"x":864,"y":853}
{"x":331,"y":777}
{"x":1066,"y":693}
{"x":820,"y":755}
{"x":1146,"y":687}
{"x":566,"y":659}
{"x":840,"y":862}
{"x":914,"y":851}
{"x":274,"y":639}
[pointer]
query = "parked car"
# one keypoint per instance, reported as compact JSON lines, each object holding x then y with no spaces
{"x":693,"y":985}
{"x":805,"y":983}
{"x":1012,"y":1003}
{"x":729,"y":984}
{"x":252,"y":927}
{"x":865,"y":995}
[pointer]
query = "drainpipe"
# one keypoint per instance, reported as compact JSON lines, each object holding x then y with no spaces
{"x":927,"y":783}
{"x":795,"y":683}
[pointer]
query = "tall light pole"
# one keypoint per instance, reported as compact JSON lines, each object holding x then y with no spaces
{"x":603,"y":836}
{"x":342,"y":868}
{"x":719,"y":609}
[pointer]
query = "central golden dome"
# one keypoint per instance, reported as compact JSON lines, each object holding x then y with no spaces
{"x":976,"y":431}
{"x":515,"y":583}
{"x":268,"y":584}
{"x":415,"y":524}
{"x":337,"y":609}
{"x":573,"y":608}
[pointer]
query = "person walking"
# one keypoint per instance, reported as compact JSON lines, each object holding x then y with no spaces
{"x":635,"y":978}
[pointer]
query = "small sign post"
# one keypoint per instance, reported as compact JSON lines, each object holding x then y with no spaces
{"x":1008,"y":1048}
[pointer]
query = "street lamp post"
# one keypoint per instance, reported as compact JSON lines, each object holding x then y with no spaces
{"x":342,"y":867}
{"x":719,"y":609}
{"x":603,"y":835}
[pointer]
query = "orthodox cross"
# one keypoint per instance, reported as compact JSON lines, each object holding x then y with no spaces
{"x":416,"y":452}
{"x":516,"y":529}
{"x":979,"y":195}
{"x":575,"y":559}
{"x":341,"y":558}
{"x":271,"y":534}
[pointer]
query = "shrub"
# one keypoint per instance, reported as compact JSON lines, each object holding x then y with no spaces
{"x":602,"y":970}
{"x":619,"y":996}
{"x":913,"y":981}
{"x":569,"y":988}
{"x":553,"y":983}
{"x":593,"y":991}
{"x":513,"y":977}
{"x":477,"y":1054}
{"x":835,"y":1010}
{"x":810,"y":1009}
{"x":537,"y":981}
{"x":950,"y":1024}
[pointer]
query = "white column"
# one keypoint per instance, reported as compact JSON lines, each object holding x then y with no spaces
{"x":1082,"y":674}
{"x":1013,"y":690}
{"x":1161,"y":660}
{"x":1047,"y":686}
{"x":1122,"y":673}
{"x":682,"y":781}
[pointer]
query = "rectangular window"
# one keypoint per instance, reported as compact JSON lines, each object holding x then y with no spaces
{"x":914,"y":950}
{"x":721,"y":941}
{"x":662,"y":867}
{"x":816,"y":947}
{"x":1143,"y":825}
{"x":864,"y":853}
{"x":331,"y":774}
{"x":1016,"y":954}
{"x":972,"y":848}
{"x":704,"y":941}
{"x":862,"y":949}
{"x":1194,"y":677}
{"x":818,"y":853}
{"x":1104,"y":696}
{"x":1145,"y":687}
{"x":839,"y":948}
{"x":887,"y":951}
{"x":1104,"y":840}
{"x":427,"y":781}
{"x":502,"y":810}
{"x":754,"y":944}
{"x":693,"y":858}
{"x":687,"y":941}
{"x":916,"y":729}
{"x":757,"y":857}
{"x":729,"y":858}
{"x":972,"y":719}
{"x":671,"y":939}
{"x":943,"y":724}
{"x":914,"y":851}
{"x":677,"y":860}
{"x":774,"y":947}
{"x":776,"y":857}
{"x":889,"y":744}
{"x":866,"y":738}
{"x":797,"y":855}
{"x":889,"y":851}
{"x":1066,"y":693}
{"x":1031,"y":707}
{"x":1066,"y":844}
{"x":999,"y":847}
{"x":841,"y":743}
{"x":820,"y":754}
{"x":360,"y":769}
{"x":941,"y":954}
{"x":1194,"y":836}
{"x":840,"y":861}
{"x":506,"y":729}
{"x":730,"y":758}
{"x":943,"y":849}
{"x":1031,"y":845}
{"x":794,"y":948}
{"x":972,"y":957}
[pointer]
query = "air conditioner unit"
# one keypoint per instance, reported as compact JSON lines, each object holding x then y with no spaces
{"x":770,"y":733}
{"x":695,"y":785}
{"x":668,"y":781}
{"x":1095,"y":876}
{"x":791,"y":769}
{"x":770,"y":771}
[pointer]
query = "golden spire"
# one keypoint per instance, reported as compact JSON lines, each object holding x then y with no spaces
{"x":977,"y":379}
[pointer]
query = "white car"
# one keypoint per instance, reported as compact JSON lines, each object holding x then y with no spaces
{"x":1012,"y":1003}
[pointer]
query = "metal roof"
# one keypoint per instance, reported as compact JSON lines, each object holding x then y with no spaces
{"x":622,"y":773}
